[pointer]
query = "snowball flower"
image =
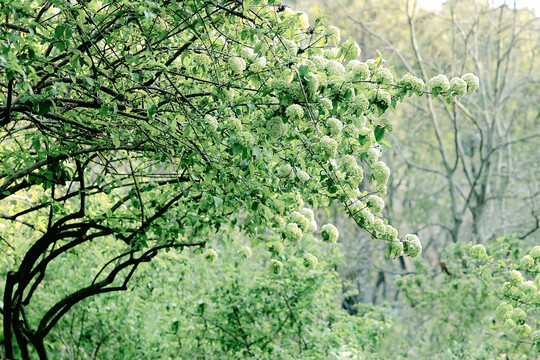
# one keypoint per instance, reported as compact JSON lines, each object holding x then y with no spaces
{"x":397,"y":248}
{"x":413,"y":83}
{"x":284,"y":170}
{"x":294,"y":112}
{"x":391,"y":233}
{"x":334,"y":34}
{"x":312,"y":83}
{"x":320,"y":62}
{"x":326,"y":103}
{"x":329,"y":233}
{"x":472,"y":82}
{"x":382,"y":98}
{"x":292,"y":47}
{"x":292,"y":232}
{"x":373,"y":154}
{"x":381,"y":172}
{"x":258,"y":64}
{"x":478,"y":252}
{"x":372,"y":64}
{"x":516,"y":276}
{"x":526,"y":262}
{"x":382,"y":76}
{"x":237,"y":64}
{"x":310,"y":261}
{"x":458,"y":86}
{"x":300,"y":220}
{"x":412,"y":245}
{"x":528,"y":287}
{"x":334,"y":126}
{"x":202,"y":59}
{"x":210,"y":123}
{"x":303,"y":20}
{"x":275,"y":247}
{"x":328,"y":146}
{"x":303,"y":176}
{"x":360,"y":103}
{"x":379,"y":226}
{"x":331,"y":53}
{"x":357,"y":70}
{"x":535,"y":252}
{"x":335,"y":68}
{"x":518,"y":315}
{"x":523,"y":330}
{"x":245,"y":139}
{"x":210,"y":255}
{"x":247,"y":53}
{"x":351,"y":51}
{"x":440,"y":81}
{"x":275,"y":127}
{"x":503,"y":311}
{"x":375,"y":203}
{"x":276,"y":266}
{"x":351,"y":167}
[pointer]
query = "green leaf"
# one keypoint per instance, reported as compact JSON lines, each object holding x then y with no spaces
{"x":379,"y":133}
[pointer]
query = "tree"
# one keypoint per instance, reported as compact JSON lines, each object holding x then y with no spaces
{"x":151,"y":126}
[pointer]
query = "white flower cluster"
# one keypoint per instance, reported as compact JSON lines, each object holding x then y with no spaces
{"x":375,"y":203}
{"x":210,"y":123}
{"x":294,"y":112}
{"x":276,"y":128}
{"x":326,"y":103}
{"x":328,"y":146}
{"x":292,"y":232}
{"x":360,"y":103}
{"x":247,"y":53}
{"x":413,"y":83}
{"x":373,"y":154}
{"x":335,"y":68}
{"x":275,"y":247}
{"x":291,"y":46}
{"x":302,"y":175}
{"x":478,"y":252}
{"x":245,"y":138}
{"x":258,"y":64}
{"x":202,"y":59}
{"x":329,"y":233}
{"x":320,"y":62}
{"x":284,"y":170}
{"x":357,"y":70}
{"x":237,"y":64}
{"x":351,"y":168}
{"x":351,"y":51}
{"x":458,"y":86}
{"x":381,"y":172}
{"x":412,"y":245}
{"x":312,"y":83}
{"x":310,"y":261}
{"x":308,"y":214}
{"x":303,"y":20}
{"x":235,"y":123}
{"x":335,"y":127}
{"x":382,"y":98}
{"x":334,"y":34}
{"x":372,"y":64}
{"x":472,"y":82}
{"x":331,"y":53}
{"x":397,"y":248}
{"x":300,"y":220}
{"x":440,"y":81}
{"x":382,"y":76}
{"x":391,"y":233}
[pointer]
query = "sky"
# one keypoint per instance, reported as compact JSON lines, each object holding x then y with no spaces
{"x":530,"y":4}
